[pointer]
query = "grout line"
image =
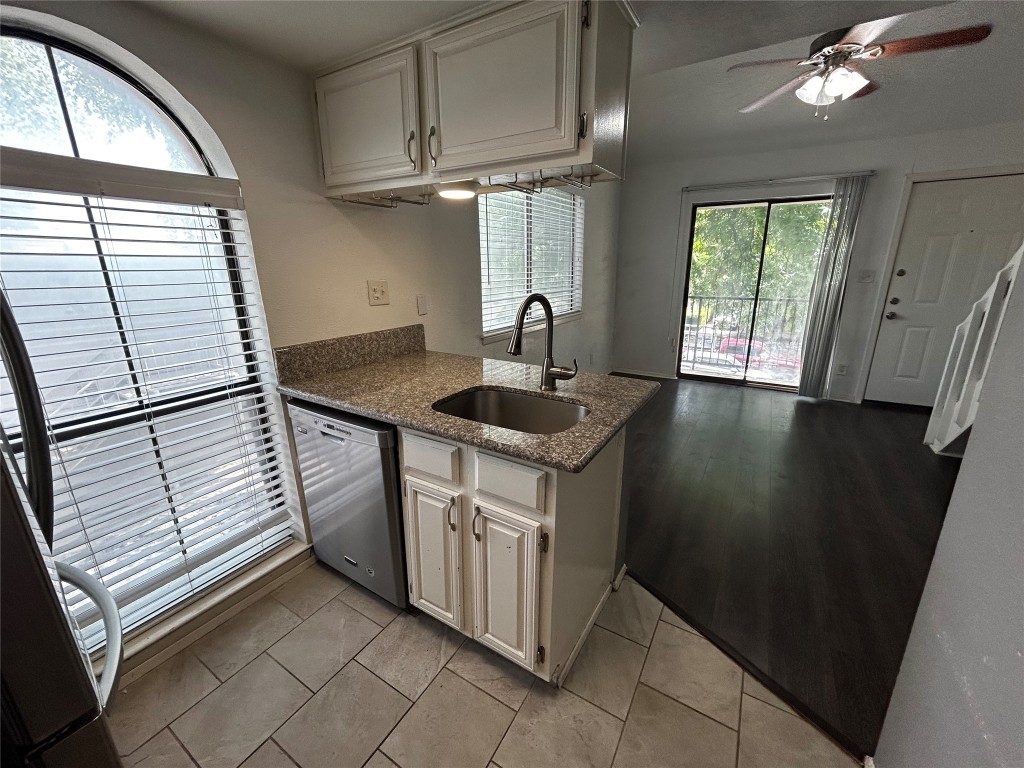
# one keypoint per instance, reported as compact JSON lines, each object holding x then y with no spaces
{"x":790,"y":711}
{"x":283,"y":750}
{"x":361,"y":613}
{"x":466,"y":679}
{"x":706,"y":716}
{"x":312,"y":693}
{"x":510,"y":724}
{"x":632,"y":699}
{"x":204,"y":665}
{"x":213,"y":691}
{"x":739,"y":725}
{"x":389,"y":685}
{"x":648,"y":647}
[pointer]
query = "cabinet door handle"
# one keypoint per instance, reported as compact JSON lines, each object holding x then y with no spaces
{"x":451,"y":506}
{"x":476,"y":514}
{"x":430,"y":145}
{"x":408,"y":148}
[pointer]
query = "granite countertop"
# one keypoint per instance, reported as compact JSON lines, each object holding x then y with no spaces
{"x":400,"y":390}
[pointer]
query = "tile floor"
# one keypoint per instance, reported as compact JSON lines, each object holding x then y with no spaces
{"x":322,"y":673}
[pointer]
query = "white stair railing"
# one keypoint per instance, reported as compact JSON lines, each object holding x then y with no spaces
{"x":956,"y":403}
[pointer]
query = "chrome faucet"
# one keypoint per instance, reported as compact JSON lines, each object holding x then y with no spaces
{"x":549,"y":371}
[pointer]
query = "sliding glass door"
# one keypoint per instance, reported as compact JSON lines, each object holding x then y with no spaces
{"x":750,"y":274}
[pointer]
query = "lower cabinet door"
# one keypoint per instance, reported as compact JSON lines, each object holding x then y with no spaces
{"x":505,"y":581}
{"x":432,"y":550}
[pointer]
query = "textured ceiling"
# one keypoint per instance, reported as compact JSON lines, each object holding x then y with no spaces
{"x":674,"y":34}
{"x":310,"y":34}
{"x":691,"y":111}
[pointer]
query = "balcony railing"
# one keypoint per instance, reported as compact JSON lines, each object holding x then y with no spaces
{"x":717,"y":339}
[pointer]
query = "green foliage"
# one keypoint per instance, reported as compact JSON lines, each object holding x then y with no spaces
{"x":112,"y":121}
{"x":727,"y":247}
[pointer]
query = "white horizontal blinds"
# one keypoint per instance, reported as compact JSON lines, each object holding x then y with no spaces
{"x":142,"y":321}
{"x":530,"y":244}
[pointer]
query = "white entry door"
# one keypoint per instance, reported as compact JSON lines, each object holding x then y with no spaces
{"x":956,"y":236}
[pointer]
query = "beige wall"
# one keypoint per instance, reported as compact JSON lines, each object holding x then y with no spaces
{"x":313,"y":255}
{"x":653,"y":250}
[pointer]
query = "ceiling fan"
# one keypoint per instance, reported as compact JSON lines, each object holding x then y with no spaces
{"x":833,"y":69}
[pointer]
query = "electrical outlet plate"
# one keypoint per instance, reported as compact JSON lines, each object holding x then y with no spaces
{"x":422,"y":304}
{"x":377,"y":292}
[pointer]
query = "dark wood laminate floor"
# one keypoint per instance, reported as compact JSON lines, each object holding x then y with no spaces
{"x":795,"y":533}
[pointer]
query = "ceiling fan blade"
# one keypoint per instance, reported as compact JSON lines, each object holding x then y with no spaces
{"x":868,"y":32}
{"x":780,"y":91}
{"x":949,"y":39}
{"x":764,"y":63}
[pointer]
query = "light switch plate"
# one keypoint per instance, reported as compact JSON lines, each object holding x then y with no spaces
{"x":377,"y":291}
{"x":422,"y":304}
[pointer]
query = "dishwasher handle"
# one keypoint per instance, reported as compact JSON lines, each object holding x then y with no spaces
{"x":332,"y":438}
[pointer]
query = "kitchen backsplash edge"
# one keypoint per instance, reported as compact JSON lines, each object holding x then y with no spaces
{"x":319,"y":358}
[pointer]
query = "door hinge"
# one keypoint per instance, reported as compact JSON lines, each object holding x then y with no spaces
{"x":540,"y":654}
{"x":542,"y":543}
{"x":586,"y":14}
{"x":583,"y":125}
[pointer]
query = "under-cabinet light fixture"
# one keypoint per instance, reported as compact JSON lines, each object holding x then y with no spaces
{"x":458,"y":190}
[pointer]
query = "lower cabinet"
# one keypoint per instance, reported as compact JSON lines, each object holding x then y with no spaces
{"x":433,"y":551}
{"x":482,"y":537}
{"x":505,"y":581}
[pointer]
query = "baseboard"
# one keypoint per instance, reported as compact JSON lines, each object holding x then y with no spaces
{"x":149,"y":648}
{"x":618,"y":579}
{"x":563,"y":672}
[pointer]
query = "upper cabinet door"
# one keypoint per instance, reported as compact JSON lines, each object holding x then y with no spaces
{"x":505,"y":580}
{"x":504,"y":87}
{"x":368,"y":119}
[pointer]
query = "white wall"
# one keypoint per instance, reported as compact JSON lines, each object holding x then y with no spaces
{"x":313,"y":255}
{"x":959,"y":697}
{"x":653,"y":252}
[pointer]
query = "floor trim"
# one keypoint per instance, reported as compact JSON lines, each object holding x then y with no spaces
{"x":563,"y":672}
{"x":154,"y":645}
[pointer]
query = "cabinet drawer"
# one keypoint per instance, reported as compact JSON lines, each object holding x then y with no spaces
{"x":433,"y":457}
{"x":507,"y":480}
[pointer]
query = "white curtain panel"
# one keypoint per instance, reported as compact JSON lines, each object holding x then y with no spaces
{"x":827,"y":295}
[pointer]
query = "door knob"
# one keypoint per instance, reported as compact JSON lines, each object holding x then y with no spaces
{"x":900,"y":272}
{"x":894,"y":300}
{"x":890,"y":315}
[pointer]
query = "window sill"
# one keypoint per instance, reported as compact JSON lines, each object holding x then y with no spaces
{"x":493,"y":337}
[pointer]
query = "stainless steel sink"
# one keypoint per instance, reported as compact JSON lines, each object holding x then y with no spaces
{"x":520,"y":411}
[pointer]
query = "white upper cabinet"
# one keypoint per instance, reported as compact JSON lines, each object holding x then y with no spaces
{"x":504,"y":87}
{"x":368,"y":117}
{"x":541,"y":85}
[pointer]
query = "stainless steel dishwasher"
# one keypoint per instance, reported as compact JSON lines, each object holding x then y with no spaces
{"x":350,"y":478}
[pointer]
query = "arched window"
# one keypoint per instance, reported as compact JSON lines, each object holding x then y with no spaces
{"x":127,"y":265}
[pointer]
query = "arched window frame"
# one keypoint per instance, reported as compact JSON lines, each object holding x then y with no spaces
{"x":42,"y":171}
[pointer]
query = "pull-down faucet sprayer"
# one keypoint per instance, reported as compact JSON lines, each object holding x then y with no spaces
{"x":549,"y":371}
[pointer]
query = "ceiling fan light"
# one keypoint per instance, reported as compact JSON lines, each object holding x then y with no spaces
{"x":852,"y":83}
{"x":813,"y":92}
{"x":835,"y":81}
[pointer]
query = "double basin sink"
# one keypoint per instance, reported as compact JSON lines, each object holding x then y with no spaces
{"x":521,"y":411}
